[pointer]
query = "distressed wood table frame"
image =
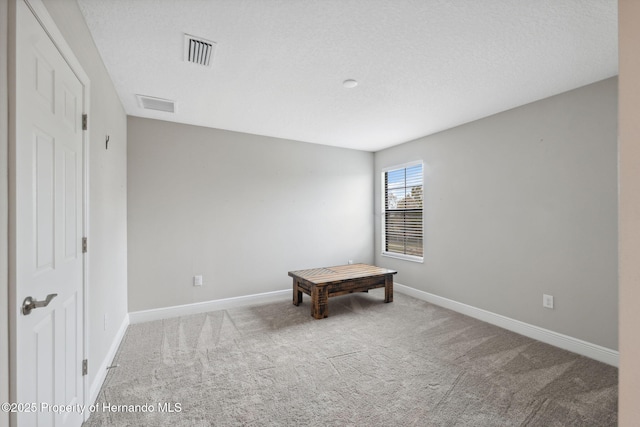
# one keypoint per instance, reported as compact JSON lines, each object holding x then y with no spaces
{"x":324,"y":283}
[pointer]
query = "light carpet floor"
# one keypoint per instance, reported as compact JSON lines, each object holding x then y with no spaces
{"x":407,"y":363}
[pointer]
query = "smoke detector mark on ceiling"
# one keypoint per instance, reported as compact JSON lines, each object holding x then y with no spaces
{"x":158,"y":104}
{"x":198,"y":50}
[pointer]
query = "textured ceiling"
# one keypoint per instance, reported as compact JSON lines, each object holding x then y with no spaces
{"x":422,"y":65}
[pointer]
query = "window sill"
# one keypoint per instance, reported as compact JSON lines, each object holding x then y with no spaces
{"x":404,"y":257}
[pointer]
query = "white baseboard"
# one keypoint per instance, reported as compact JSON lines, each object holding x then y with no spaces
{"x":107,"y":361}
{"x":203,"y":307}
{"x":584,"y":348}
{"x":575,"y":345}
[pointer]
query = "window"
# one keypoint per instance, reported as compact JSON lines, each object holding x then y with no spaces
{"x":402,"y":216}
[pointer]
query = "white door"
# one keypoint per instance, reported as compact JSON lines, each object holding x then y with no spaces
{"x":48,"y":216}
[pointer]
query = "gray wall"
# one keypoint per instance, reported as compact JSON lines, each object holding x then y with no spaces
{"x":108,"y":188}
{"x":239,"y":209}
{"x":520,"y":204}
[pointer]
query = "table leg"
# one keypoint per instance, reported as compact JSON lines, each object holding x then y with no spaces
{"x":388,"y":288}
{"x":297,"y":293}
{"x":319,"y":302}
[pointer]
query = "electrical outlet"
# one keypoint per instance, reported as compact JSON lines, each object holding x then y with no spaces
{"x":197,"y":280}
{"x":350,"y":261}
{"x":547,"y":301}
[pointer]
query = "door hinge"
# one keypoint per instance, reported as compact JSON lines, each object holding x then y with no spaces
{"x":84,"y":121}
{"x":85,"y":367}
{"x":84,"y":245}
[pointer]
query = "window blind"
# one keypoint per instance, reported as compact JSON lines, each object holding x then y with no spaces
{"x":403,"y":205}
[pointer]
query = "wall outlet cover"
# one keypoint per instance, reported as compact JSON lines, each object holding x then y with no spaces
{"x":197,"y":280}
{"x":547,"y":301}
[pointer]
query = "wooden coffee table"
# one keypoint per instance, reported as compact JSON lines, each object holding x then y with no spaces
{"x":323,"y":283}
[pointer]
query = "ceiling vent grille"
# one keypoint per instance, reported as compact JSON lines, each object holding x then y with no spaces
{"x":198,"y":51}
{"x":158,"y":104}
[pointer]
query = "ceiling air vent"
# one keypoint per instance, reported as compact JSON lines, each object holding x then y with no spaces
{"x":158,"y":104}
{"x":198,"y":51}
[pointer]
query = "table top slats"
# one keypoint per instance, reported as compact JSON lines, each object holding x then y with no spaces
{"x":340,"y":273}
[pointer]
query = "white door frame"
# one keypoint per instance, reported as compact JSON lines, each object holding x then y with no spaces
{"x":4,"y":210}
{"x":42,"y":15}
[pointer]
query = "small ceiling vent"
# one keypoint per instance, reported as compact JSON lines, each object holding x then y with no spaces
{"x":198,"y":51}
{"x":158,"y":104}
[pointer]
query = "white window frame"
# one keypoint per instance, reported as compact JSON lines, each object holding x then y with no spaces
{"x":397,"y":255}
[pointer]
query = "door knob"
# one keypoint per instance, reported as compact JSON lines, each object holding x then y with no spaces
{"x":29,"y":303}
